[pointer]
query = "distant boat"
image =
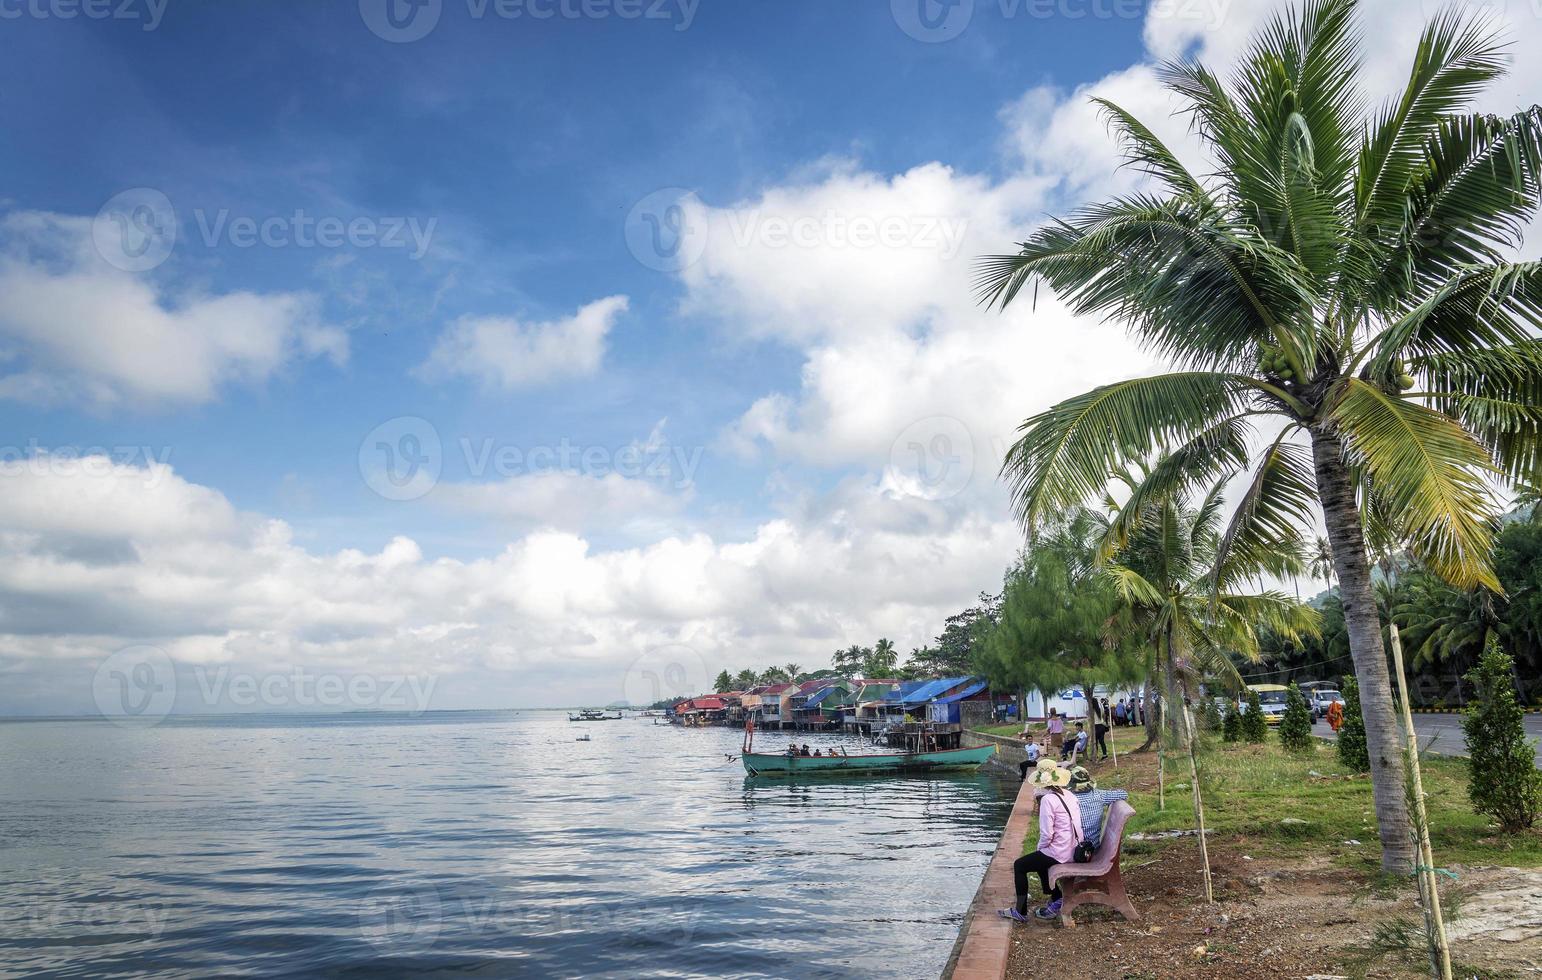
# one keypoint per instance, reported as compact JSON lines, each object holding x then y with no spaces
{"x":594,"y":714}
{"x":781,"y":764}
{"x":583,"y":738}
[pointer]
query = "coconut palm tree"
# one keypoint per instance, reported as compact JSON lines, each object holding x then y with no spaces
{"x":1185,"y":587}
{"x":1339,"y":286}
{"x":1321,"y":561}
{"x":1181,"y":586}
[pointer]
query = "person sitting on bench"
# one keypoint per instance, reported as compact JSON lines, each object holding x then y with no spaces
{"x":1060,"y":831}
{"x":1093,"y":802}
{"x":1075,"y":746}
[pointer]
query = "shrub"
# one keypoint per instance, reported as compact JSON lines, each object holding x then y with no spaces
{"x":1254,"y":728}
{"x":1296,"y":726}
{"x":1231,"y":728}
{"x":1505,"y":782}
{"x":1353,"y":752}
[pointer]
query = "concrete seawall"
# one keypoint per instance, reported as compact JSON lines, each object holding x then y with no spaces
{"x":1009,"y":751}
{"x":985,"y":939}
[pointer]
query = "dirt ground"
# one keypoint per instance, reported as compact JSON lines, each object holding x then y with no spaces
{"x":1274,"y":920}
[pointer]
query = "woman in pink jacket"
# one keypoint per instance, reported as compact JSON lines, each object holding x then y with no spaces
{"x":1060,"y":830}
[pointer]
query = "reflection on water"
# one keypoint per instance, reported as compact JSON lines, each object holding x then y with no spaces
{"x":490,"y":843}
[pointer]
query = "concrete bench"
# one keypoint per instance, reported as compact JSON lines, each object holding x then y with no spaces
{"x":1098,"y":882}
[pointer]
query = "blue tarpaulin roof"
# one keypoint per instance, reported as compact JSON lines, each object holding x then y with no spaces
{"x":968,"y":692}
{"x":819,"y":696}
{"x":933,"y":689}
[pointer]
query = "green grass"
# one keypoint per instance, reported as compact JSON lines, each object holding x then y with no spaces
{"x":1250,"y":789}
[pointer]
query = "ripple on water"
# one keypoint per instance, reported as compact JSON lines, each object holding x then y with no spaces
{"x":496,"y":846}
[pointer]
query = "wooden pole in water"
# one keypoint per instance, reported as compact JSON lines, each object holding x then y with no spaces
{"x":1434,"y":917}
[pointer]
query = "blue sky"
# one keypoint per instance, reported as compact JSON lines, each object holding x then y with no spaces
{"x":525,"y":142}
{"x":787,"y":382}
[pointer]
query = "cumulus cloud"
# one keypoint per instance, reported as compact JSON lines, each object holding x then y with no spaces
{"x":504,"y":352}
{"x":80,"y":329}
{"x":570,"y":501}
{"x":140,"y":555}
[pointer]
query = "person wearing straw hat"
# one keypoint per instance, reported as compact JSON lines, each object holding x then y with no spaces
{"x":1060,"y":829}
{"x":1093,"y":802}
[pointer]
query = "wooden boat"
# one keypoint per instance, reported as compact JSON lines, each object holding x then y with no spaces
{"x":781,"y":764}
{"x":594,"y":714}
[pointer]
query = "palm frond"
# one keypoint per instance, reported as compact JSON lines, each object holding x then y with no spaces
{"x":1429,"y":473}
{"x":1265,"y":529}
{"x":1068,"y":453}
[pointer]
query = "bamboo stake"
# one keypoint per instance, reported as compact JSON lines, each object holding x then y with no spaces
{"x":1199,"y":803}
{"x":1434,"y":918}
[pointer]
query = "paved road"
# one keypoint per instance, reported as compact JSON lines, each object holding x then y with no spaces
{"x":1447,"y":733}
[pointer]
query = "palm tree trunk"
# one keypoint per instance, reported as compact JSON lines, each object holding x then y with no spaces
{"x":1347,"y":537}
{"x":1148,"y":709}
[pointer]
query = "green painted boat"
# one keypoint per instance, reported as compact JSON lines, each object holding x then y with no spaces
{"x":759,"y":764}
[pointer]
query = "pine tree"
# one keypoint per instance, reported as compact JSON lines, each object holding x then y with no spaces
{"x":1254,"y":728}
{"x":1353,"y":751}
{"x":1505,"y":783}
{"x":1296,"y":726}
{"x":1231,"y":728}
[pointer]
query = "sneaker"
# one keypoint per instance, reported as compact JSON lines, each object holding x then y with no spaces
{"x":1048,"y":913}
{"x":1012,"y":913}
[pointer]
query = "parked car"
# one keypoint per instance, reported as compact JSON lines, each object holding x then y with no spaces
{"x":1271,"y":698}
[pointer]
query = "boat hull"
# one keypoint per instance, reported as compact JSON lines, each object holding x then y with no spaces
{"x":757,"y":764}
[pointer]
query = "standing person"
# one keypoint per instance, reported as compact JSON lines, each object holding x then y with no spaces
{"x":1059,"y":833}
{"x":1056,"y":728}
{"x":1335,"y":715}
{"x":1093,"y":802}
{"x":1100,"y":735}
{"x":1119,"y":713}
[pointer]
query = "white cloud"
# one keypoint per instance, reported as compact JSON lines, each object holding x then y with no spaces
{"x":570,"y":501}
{"x":84,"y":330}
{"x":138,"y":556}
{"x":503,"y":352}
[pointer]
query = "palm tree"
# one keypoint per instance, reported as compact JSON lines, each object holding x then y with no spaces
{"x":1179,"y":582}
{"x":1342,"y":276}
{"x":1321,"y":562}
{"x":793,"y":671}
{"x":881,"y":659}
{"x":1182,"y":583}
